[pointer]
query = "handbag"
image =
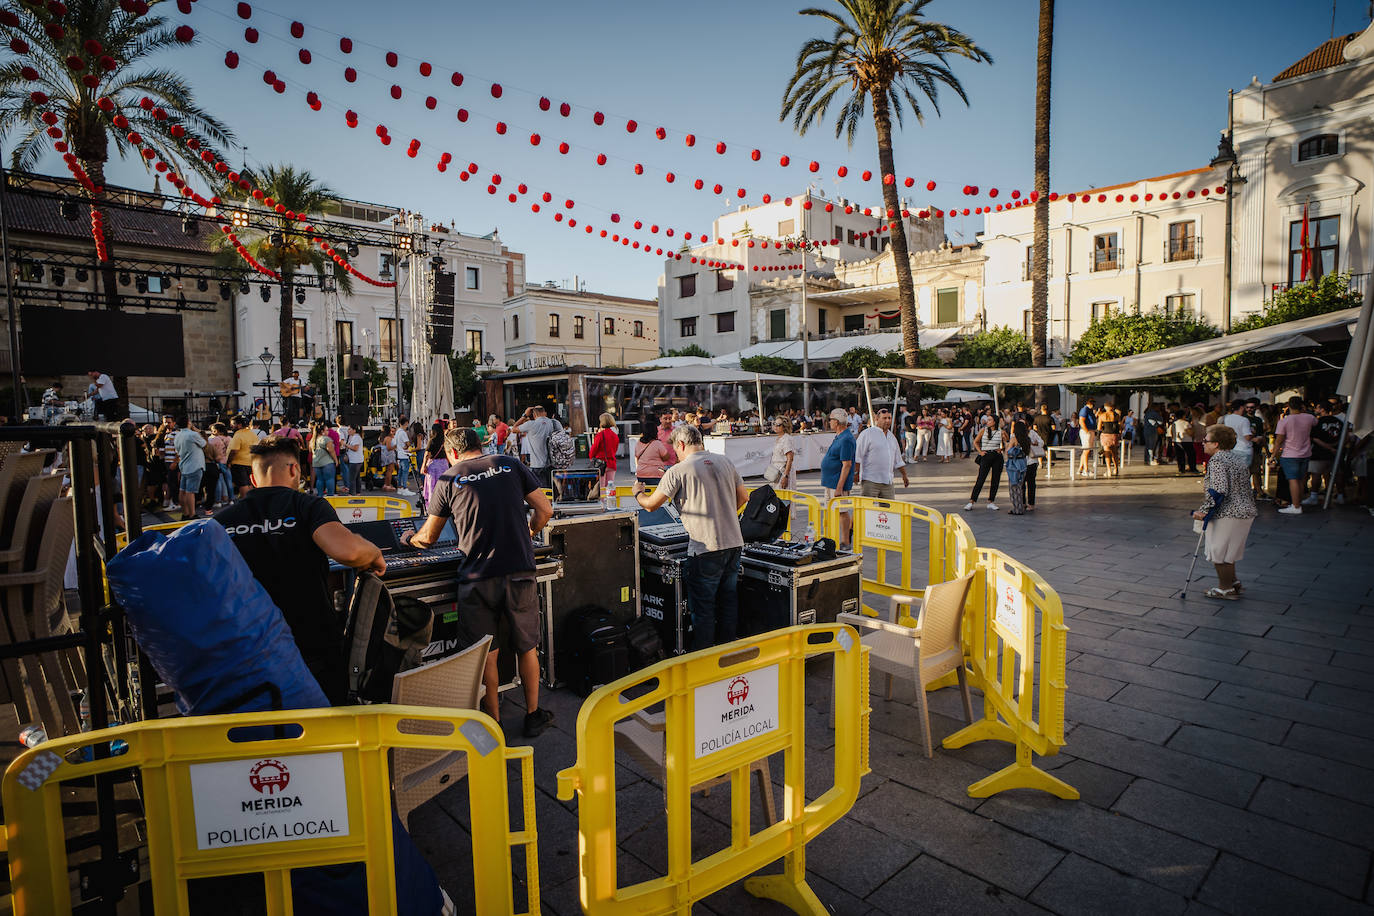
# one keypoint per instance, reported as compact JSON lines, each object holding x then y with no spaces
{"x":772,"y":474}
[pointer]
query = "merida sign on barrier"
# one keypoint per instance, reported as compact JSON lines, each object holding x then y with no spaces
{"x":723,"y":709}
{"x":216,"y":802}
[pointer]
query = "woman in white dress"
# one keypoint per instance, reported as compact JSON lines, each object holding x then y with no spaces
{"x":944,"y":448}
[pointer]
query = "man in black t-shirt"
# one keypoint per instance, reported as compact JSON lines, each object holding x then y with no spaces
{"x":1325,"y":435}
{"x":486,"y":496}
{"x":287,"y":537}
{"x":910,"y":425}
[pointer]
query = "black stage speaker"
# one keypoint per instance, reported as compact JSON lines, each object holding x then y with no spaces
{"x":353,"y":367}
{"x":439,"y":331}
{"x":355,"y":415}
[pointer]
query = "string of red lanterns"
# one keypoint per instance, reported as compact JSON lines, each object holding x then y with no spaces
{"x":246,"y":254}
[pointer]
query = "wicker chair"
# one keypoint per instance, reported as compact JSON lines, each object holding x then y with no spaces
{"x":38,"y":496}
{"x":453,"y":683}
{"x":926,"y":652}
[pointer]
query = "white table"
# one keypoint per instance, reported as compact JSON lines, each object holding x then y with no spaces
{"x":1124,"y":448}
{"x":751,"y":454}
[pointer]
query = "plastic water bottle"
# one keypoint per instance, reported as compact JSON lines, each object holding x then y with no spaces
{"x":84,"y":712}
{"x":32,"y":735}
{"x":810,"y":535}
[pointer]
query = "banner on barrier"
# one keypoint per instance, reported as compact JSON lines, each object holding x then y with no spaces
{"x":884,"y":526}
{"x":735,"y":709}
{"x":1011,"y":610}
{"x":269,"y":799}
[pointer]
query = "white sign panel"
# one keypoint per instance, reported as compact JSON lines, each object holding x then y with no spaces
{"x":1011,"y":609}
{"x":883,"y":526}
{"x":736,"y":709}
{"x":269,"y":799}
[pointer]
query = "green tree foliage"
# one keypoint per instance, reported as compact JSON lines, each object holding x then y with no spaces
{"x":770,"y":365}
{"x":466,"y":382}
{"x":1126,"y":334}
{"x":689,"y":350}
{"x":856,"y":359}
{"x":998,"y":348}
{"x":376,"y":377}
{"x":1307,"y":368}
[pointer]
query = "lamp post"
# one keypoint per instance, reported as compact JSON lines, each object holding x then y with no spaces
{"x":266,"y":357}
{"x":1226,"y":156}
{"x":803,"y":241}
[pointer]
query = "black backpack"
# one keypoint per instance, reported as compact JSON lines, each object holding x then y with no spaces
{"x":385,"y":636}
{"x":646,"y":644}
{"x":598,"y":650}
{"x":765,"y":516}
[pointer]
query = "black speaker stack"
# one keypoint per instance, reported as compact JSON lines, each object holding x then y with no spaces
{"x":439,"y":330}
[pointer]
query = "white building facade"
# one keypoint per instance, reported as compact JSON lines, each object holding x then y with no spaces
{"x":710,"y":307}
{"x":1306,"y":141}
{"x":1157,"y":243}
{"x":372,"y":321}
{"x":547,"y":325}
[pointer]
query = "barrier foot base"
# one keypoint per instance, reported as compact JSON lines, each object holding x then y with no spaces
{"x":1022,"y":776}
{"x":984,"y":730}
{"x":949,"y":680}
{"x":797,"y":896}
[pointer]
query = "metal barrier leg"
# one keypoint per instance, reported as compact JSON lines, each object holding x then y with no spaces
{"x":989,"y":729}
{"x":1023,"y":774}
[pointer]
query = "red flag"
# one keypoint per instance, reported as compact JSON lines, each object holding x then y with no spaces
{"x":1306,"y":246}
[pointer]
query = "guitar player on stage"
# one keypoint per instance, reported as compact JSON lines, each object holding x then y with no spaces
{"x":291,"y":396}
{"x":486,"y":496}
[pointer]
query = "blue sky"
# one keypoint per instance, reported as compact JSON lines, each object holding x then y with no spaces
{"x":1139,"y":90}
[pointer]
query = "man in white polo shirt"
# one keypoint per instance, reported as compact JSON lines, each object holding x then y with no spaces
{"x":103,"y":392}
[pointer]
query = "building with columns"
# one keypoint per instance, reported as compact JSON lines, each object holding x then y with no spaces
{"x":711,"y":307}
{"x":547,"y":325}
{"x":1305,"y":142}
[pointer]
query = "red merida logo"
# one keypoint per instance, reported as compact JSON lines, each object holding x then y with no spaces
{"x":882,"y":518}
{"x":269,"y":777}
{"x":737,"y":691}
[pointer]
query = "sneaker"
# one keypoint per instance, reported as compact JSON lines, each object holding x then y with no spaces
{"x":1224,"y":594}
{"x":405,"y":491}
{"x":1291,"y":510}
{"x":968,"y":506}
{"x":992,"y":506}
{"x":1312,"y":499}
{"x":537,"y":721}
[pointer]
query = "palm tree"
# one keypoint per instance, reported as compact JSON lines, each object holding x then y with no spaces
{"x":284,"y":247}
{"x":1040,"y":248}
{"x":114,"y":47}
{"x":888,"y":51}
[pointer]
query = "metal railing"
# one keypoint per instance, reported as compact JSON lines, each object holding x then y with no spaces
{"x":1184,"y":249}
{"x":1106,"y":259}
{"x":1359,"y":283}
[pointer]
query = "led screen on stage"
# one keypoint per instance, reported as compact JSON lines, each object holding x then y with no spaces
{"x":57,"y":341}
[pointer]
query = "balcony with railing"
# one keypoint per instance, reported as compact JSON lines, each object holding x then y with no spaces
{"x":1027,"y":267}
{"x":1107,"y":259}
{"x":1184,"y":249}
{"x":1359,"y":283}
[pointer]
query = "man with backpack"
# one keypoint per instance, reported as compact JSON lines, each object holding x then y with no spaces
{"x":708,"y":492}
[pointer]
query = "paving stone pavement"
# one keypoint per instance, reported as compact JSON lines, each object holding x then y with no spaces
{"x":1224,"y":750}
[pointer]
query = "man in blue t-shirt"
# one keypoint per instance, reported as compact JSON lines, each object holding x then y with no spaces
{"x":837,"y":467}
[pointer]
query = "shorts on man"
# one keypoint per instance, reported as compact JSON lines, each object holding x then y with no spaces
{"x":483,"y":602}
{"x":190,"y":480}
{"x":1294,"y":468}
{"x":870,"y":489}
{"x":242,"y":474}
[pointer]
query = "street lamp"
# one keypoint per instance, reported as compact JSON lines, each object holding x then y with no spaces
{"x":804,"y":242}
{"x":489,"y":360}
{"x":266,"y":357}
{"x":400,"y":244}
{"x":1226,"y":157}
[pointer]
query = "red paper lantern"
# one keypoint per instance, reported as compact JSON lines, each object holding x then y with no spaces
{"x":231,"y":60}
{"x":787,"y":201}
{"x":269,"y":77}
{"x":1206,"y":191}
{"x":245,"y":11}
{"x":1135,"y":197}
{"x":598,"y":118}
{"x":250,"y":35}
{"x":297,"y":30}
{"x":867,"y":175}
{"x":806,"y":205}
{"x":1120,"y":198}
{"x":456,"y":79}
{"x":395,"y":91}
{"x":992,"y":192}
{"x":631,"y":126}
{"x":534,"y":139}
{"x":346,"y":45}
{"x":381,"y":130}
{"x":909,"y":181}
{"x":768,"y":198}
{"x":391,"y":59}
{"x":755,"y":155}
{"x":1015,"y":195}
{"x":303,"y":55}
{"x":717,"y":189}
{"x":660,"y":132}
{"x":639,"y":224}
{"x":1221,"y":190}
{"x":462,"y":115}
{"x":889,"y":179}
{"x":785,"y":161}
{"x":74,"y":63}
{"x":350,"y":74}
{"x":279,"y":87}
{"x":425,"y":68}
{"x":720,"y":148}
{"x":670,"y":178}
{"x":1192,"y":194}
{"x":565,"y":109}
{"x":463,"y":175}
{"x":431,"y":102}
{"x":639,"y":169}
{"x":521,"y":188}
{"x":55,"y":31}
{"x":500,"y":127}
{"x":739,"y":192}
{"x":698,"y":184}
{"x":568,"y":205}
{"x":600,"y":158}
{"x":563,"y":148}
{"x":28,"y":73}
{"x":120,"y":121}
{"x":544,"y":104}
{"x":495,"y":179}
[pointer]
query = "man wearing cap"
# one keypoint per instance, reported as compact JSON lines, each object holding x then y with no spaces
{"x":837,"y":467}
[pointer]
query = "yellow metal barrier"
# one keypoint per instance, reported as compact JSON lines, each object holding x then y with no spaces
{"x":883,"y":527}
{"x":217,"y":803}
{"x":961,"y":550}
{"x":370,"y":508}
{"x":1013,"y":605}
{"x":724,"y":708}
{"x":122,"y":537}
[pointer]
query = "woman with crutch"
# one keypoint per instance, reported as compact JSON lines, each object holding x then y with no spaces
{"x":1228,"y":509}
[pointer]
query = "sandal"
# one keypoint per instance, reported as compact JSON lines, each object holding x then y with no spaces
{"x":1226,"y":594}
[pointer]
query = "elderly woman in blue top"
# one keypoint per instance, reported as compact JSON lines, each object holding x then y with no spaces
{"x":1228,"y":510}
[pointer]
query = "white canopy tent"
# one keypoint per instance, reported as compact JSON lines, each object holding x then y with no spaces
{"x":1154,"y":363}
{"x":830,"y":349}
{"x":672,"y":362}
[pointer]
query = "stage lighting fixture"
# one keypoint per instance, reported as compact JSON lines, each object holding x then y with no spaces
{"x":352,"y":249}
{"x":59,"y":276}
{"x":243,"y":287}
{"x":141,"y":283}
{"x":81,"y":275}
{"x":266,"y":292}
{"x":124,"y":278}
{"x":202,"y":284}
{"x":300,"y":296}
{"x":225,"y":290}
{"x":70,"y":209}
